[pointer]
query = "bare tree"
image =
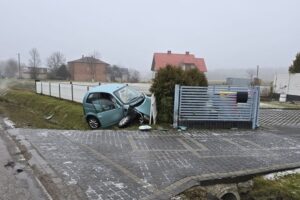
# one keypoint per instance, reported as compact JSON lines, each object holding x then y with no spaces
{"x":134,"y":76}
{"x":34,"y":62}
{"x":2,"y":68}
{"x":95,"y":54}
{"x":92,"y":61}
{"x":11,"y":68}
{"x":56,"y":60}
{"x":250,"y":73}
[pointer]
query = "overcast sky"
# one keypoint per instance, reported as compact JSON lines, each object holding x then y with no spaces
{"x":227,"y":34}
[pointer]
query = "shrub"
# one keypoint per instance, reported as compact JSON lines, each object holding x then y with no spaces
{"x":163,"y":88}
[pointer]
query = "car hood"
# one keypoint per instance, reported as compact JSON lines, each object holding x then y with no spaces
{"x":145,"y":106}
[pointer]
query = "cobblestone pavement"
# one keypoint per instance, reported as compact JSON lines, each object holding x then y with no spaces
{"x":108,"y":164}
{"x":279,"y":117}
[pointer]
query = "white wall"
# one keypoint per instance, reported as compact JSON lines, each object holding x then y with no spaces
{"x":77,"y":90}
{"x":287,"y":84}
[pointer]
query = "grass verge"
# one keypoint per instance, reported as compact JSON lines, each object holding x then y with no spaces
{"x":280,"y":105}
{"x":286,"y":187}
{"x":28,"y":109}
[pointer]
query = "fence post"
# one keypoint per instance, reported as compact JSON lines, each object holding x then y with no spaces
{"x":41,"y":87}
{"x":176,"y":106}
{"x":35,"y":83}
{"x":59,"y":90}
{"x":50,"y":89}
{"x":72,"y":91}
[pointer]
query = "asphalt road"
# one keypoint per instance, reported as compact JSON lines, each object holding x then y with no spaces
{"x":17,"y":181}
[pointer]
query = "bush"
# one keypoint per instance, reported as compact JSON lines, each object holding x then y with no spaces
{"x":163,"y":88}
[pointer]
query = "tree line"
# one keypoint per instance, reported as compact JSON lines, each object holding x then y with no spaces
{"x":57,"y":68}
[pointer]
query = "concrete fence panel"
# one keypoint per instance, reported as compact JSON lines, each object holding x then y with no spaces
{"x":66,"y":91}
{"x":45,"y":88}
{"x":79,"y":92}
{"x":38,"y":87}
{"x":55,"y":90}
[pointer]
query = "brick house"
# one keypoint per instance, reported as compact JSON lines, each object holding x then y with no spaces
{"x":88,"y":69}
{"x":185,"y":61}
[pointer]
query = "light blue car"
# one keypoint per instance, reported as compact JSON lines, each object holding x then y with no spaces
{"x":107,"y":104}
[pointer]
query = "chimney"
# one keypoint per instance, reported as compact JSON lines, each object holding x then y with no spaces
{"x":187,"y":53}
{"x":169,"y":52}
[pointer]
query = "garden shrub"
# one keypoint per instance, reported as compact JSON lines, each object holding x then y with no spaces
{"x":163,"y":88}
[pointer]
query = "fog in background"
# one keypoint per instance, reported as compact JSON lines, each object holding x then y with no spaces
{"x":233,"y":36}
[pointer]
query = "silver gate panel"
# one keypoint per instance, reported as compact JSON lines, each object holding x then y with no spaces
{"x":215,"y":104}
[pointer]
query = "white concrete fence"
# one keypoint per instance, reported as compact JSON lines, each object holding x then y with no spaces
{"x":75,"y":91}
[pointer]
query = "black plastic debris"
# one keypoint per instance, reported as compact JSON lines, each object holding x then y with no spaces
{"x":10,"y":164}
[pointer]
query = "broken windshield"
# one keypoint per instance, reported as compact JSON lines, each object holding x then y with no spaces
{"x":128,"y":94}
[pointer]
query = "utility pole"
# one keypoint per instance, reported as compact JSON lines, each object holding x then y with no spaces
{"x":257,"y":70}
{"x":19,"y":63}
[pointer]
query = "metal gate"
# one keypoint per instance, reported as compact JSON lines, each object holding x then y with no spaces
{"x":216,"y":106}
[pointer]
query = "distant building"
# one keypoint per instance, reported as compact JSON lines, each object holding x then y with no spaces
{"x":288,"y":84}
{"x":41,"y":73}
{"x":238,"y":81}
{"x":185,"y":61}
{"x":88,"y":69}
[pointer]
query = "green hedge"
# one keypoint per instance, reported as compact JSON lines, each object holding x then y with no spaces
{"x":164,"y":85}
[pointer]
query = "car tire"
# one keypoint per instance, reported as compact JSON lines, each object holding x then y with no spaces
{"x":124,"y":122}
{"x":93,"y":122}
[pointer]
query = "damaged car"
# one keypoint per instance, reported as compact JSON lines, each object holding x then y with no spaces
{"x":110,"y":104}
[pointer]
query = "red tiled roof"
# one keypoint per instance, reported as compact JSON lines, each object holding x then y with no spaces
{"x":161,"y":60}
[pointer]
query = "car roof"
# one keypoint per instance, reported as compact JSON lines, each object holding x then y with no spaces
{"x":108,"y":88}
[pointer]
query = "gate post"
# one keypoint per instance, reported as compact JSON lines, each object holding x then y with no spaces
{"x":176,"y":106}
{"x":255,"y":108}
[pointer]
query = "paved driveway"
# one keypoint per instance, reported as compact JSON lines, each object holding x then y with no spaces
{"x":279,"y":117}
{"x":108,"y":164}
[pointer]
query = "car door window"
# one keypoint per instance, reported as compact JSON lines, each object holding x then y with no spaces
{"x":92,"y":98}
{"x":107,"y":102}
{"x":102,"y":101}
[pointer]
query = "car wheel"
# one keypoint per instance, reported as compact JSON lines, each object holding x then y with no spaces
{"x":93,"y":122}
{"x":124,"y":121}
